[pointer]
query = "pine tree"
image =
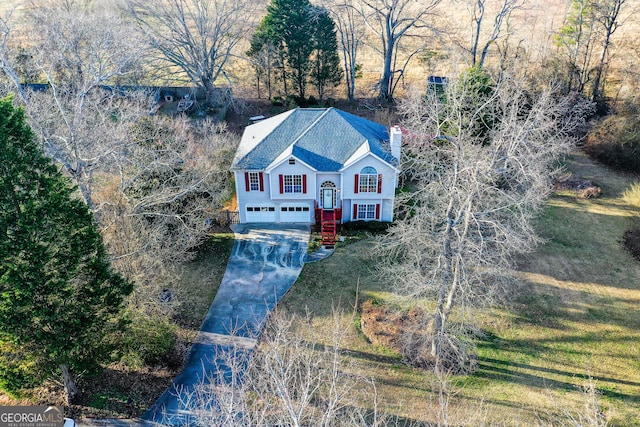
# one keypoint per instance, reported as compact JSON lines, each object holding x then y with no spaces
{"x":326,"y":70}
{"x":58,"y":296}
{"x":289,"y":27}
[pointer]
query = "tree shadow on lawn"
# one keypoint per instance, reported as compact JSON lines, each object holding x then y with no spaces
{"x":553,"y":307}
{"x":563,"y":330}
{"x":540,"y":349}
{"x":534,"y":376}
{"x":568,"y":333}
{"x":583,"y":247}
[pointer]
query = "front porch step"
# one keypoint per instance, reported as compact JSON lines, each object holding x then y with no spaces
{"x":328,"y":234}
{"x":328,"y":227}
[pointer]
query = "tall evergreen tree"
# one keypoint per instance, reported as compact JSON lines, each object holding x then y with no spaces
{"x":289,"y":27}
{"x":325,"y":70}
{"x":58,"y":296}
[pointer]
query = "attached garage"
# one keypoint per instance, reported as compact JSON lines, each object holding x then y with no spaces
{"x":295,"y":213}
{"x":261,"y":213}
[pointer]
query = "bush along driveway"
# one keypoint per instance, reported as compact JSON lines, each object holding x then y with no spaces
{"x":265,"y":262}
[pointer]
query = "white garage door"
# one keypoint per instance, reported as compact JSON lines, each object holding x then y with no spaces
{"x":299,"y":213}
{"x":257,"y":213}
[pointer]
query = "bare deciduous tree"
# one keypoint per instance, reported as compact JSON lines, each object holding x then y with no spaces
{"x":500,"y":20}
{"x":589,"y":24}
{"x":156,"y":202}
{"x":264,"y":56}
{"x":196,"y":36}
{"x":295,"y":377}
{"x":6,"y":32}
{"x":392,"y":21}
{"x":76,"y":49}
{"x":79,"y":46}
{"x":608,"y":16}
{"x":473,"y":204}
{"x":351,"y":33}
{"x":79,"y":132}
{"x":577,"y":43}
{"x":152,"y":182}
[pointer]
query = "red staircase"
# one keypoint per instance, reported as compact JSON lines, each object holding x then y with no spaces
{"x":328,"y":227}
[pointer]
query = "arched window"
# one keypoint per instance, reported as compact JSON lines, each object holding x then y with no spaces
{"x":368,"y":180}
{"x":369,"y":170}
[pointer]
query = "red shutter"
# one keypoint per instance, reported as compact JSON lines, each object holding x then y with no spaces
{"x":356,"y":184}
{"x":355,"y":211}
{"x":304,"y":184}
{"x":378,"y":211}
{"x":247,"y":186}
{"x":261,"y":176}
{"x":281,"y":183}
{"x":379,"y":183}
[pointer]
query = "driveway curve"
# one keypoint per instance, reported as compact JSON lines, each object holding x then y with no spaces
{"x":265,"y":262}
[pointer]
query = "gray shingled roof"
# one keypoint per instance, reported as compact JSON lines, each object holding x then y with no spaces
{"x":323,"y":138}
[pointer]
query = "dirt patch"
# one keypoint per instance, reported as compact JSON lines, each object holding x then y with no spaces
{"x":122,"y":393}
{"x":117,"y":392}
{"x":385,"y":327}
{"x":405,"y":333}
{"x":582,"y":188}
{"x":631,"y":241}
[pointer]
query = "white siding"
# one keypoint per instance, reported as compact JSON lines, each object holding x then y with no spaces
{"x":259,"y":206}
{"x":271,"y":197}
{"x":298,"y":168}
{"x":385,"y":198}
{"x":250,"y":198}
{"x":388,"y":179}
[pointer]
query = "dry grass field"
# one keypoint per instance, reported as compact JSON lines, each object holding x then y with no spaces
{"x":529,"y":33}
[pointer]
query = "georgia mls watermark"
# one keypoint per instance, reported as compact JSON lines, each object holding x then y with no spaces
{"x":31,"y":416}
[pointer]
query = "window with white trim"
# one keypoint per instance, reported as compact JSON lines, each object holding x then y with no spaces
{"x":254,"y":181}
{"x":366,"y":211}
{"x":368,"y":180}
{"x":292,"y":183}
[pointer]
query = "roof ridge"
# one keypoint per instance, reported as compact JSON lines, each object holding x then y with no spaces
{"x":354,"y":120}
{"x":346,"y":120}
{"x":315,"y":122}
{"x":291,"y":113}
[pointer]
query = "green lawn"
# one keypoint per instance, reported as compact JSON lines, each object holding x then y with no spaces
{"x":200,"y":279}
{"x":574,"y":312}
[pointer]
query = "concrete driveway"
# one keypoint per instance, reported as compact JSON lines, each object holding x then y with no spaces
{"x":265,"y":262}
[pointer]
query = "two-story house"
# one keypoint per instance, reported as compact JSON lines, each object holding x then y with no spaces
{"x":316,"y":164}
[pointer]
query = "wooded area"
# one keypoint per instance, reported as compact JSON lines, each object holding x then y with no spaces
{"x":521,"y":84}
